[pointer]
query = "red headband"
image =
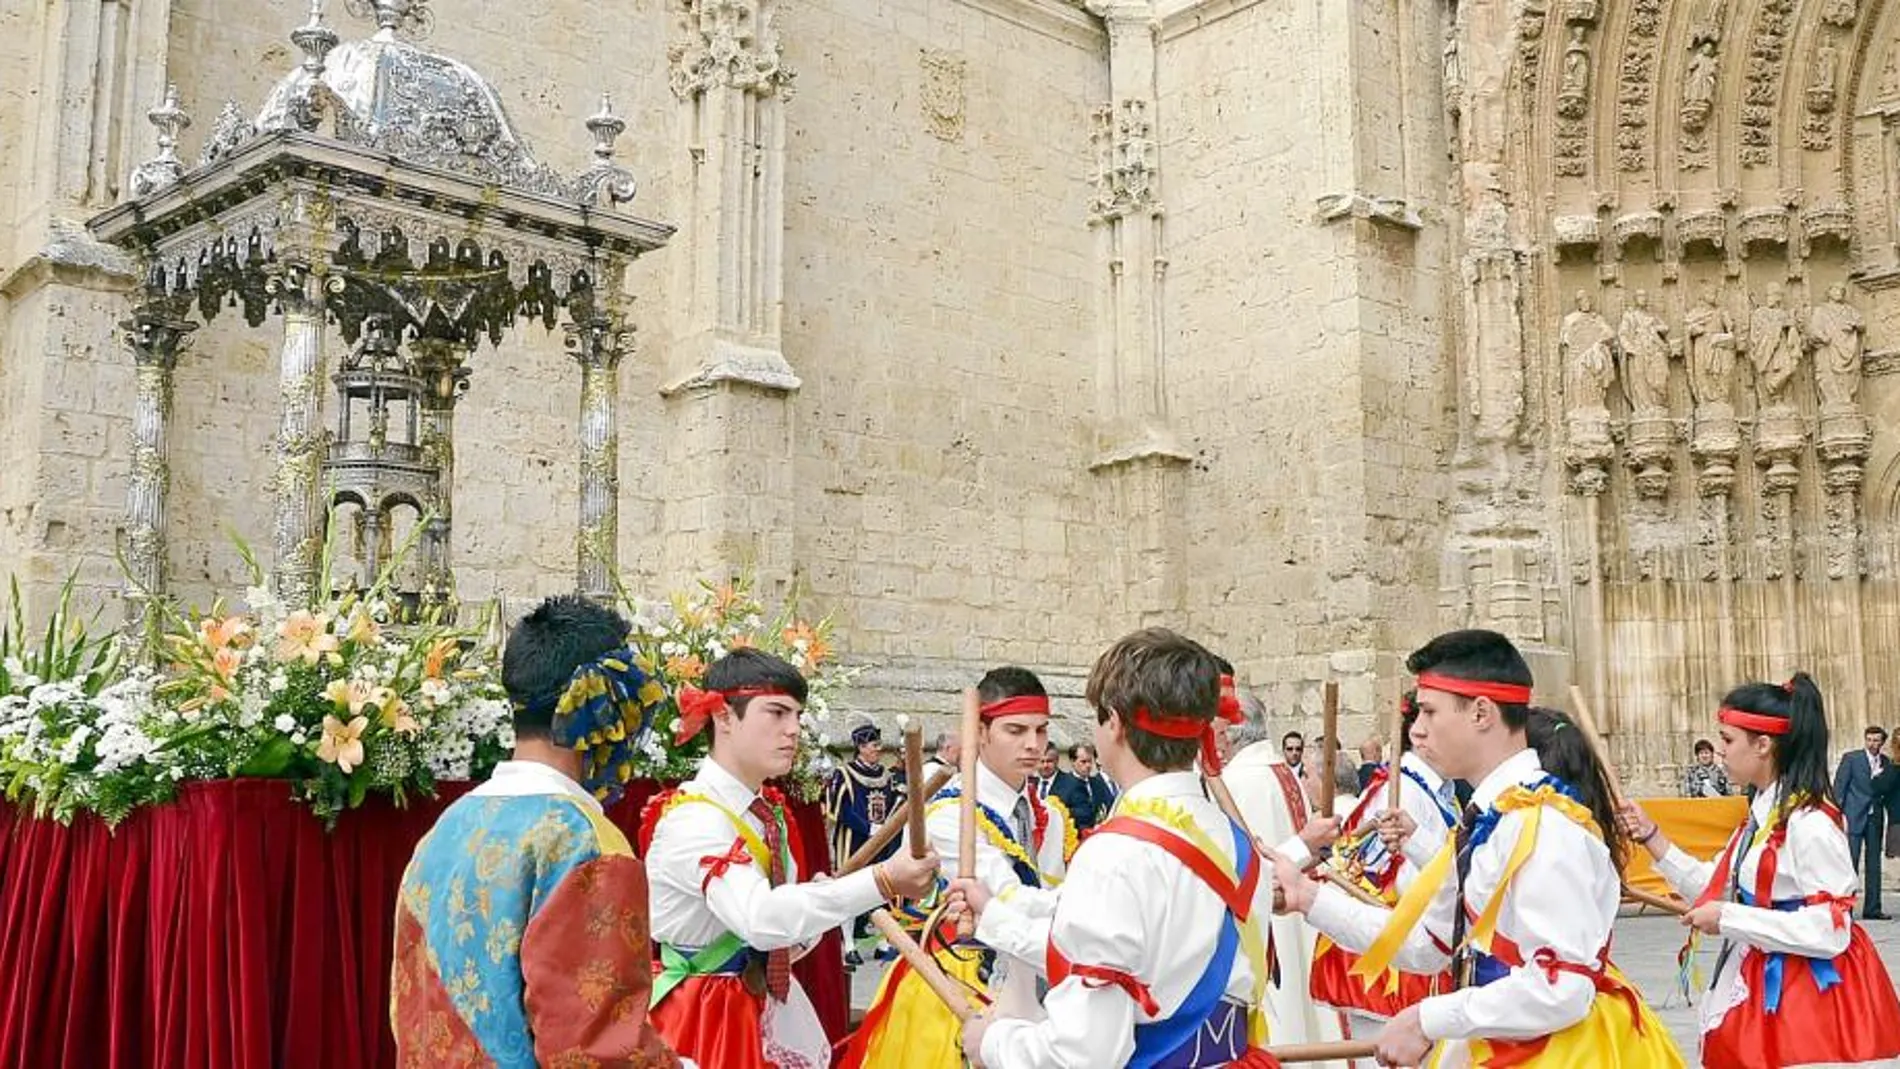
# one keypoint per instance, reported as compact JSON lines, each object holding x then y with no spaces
{"x":1020,"y":705}
{"x":698,"y":706}
{"x":1502,"y":693}
{"x":1230,"y":701}
{"x":1756,"y":722}
{"x":1182,"y":727}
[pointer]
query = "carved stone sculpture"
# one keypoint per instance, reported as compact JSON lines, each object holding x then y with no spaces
{"x":1644,"y":339}
{"x":1698,"y":87}
{"x":1774,"y":347}
{"x":1711,"y":351}
{"x":1573,"y":92}
{"x":1589,"y":359}
{"x":1836,"y":333}
{"x":1822,"y":77}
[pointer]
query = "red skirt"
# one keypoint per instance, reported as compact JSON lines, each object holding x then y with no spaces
{"x":1334,"y":985}
{"x":1856,"y":1020}
{"x":714,"y":1021}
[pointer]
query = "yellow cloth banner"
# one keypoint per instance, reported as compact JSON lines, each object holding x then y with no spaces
{"x":1700,"y":826}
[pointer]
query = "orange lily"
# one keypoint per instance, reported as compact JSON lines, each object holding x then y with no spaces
{"x":342,"y":744}
{"x":686,"y":667}
{"x":305,"y":636}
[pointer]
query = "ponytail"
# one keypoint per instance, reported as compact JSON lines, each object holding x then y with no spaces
{"x":1800,"y":753}
{"x":1566,"y":754}
{"x":1408,"y":715}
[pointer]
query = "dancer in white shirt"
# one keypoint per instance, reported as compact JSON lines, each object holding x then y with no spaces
{"x":1154,"y":948}
{"x":1525,"y":895}
{"x":728,"y":908}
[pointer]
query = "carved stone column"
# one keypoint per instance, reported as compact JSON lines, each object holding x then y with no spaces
{"x":1140,"y":452}
{"x":156,"y":337}
{"x":300,"y":436}
{"x":598,"y":342}
{"x":440,"y":364}
{"x":727,"y":383}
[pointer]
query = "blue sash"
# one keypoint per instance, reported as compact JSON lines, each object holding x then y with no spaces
{"x":1825,"y":975}
{"x":1164,"y":1040}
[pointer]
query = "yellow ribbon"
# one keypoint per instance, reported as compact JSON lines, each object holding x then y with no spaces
{"x":754,"y":845}
{"x":1378,"y":958}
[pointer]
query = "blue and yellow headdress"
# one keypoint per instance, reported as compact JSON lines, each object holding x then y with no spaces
{"x":607,"y":706}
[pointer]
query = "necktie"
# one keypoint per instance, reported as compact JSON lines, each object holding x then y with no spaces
{"x":778,"y":963}
{"x":1462,"y":955}
{"x":1023,"y":820}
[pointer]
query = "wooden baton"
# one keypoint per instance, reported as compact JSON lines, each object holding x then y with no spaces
{"x":914,"y":775}
{"x":952,"y":993}
{"x":1329,"y":747}
{"x":966,"y":826}
{"x":1338,"y":1051}
{"x":1667,"y":905}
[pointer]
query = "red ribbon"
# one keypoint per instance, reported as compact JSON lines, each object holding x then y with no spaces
{"x":1759,"y":723}
{"x":698,"y":706}
{"x":1099,"y":976}
{"x":1183,"y":727}
{"x":1502,"y":693}
{"x":1229,"y":709}
{"x":1020,"y":705}
{"x":717,"y":865}
{"x":1840,"y":906}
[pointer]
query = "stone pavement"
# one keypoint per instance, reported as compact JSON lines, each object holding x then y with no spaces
{"x":1646,"y":947}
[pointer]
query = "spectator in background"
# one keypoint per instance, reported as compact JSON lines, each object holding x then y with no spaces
{"x":1045,"y":778}
{"x":1083,"y":789}
{"x":1293,"y":750}
{"x":1705,"y":777}
{"x":1856,"y":784}
{"x":1371,"y":759}
{"x":947,"y":751}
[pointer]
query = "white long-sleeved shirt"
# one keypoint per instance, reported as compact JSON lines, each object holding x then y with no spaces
{"x":1126,"y":905}
{"x":742,"y":900}
{"x":1023,"y":937}
{"x":1564,"y":898}
{"x":1813,"y":861}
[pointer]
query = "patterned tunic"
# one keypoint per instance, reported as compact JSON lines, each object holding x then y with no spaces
{"x":521,"y":934}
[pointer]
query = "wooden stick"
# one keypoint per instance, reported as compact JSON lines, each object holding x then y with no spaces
{"x":952,"y":993}
{"x":1398,"y":751}
{"x":1667,"y":905}
{"x":1590,"y":734}
{"x":1329,"y":747}
{"x":914,"y":776}
{"x":1347,"y":884}
{"x":1344,"y":1050}
{"x":966,"y":828}
{"x":893,"y":825}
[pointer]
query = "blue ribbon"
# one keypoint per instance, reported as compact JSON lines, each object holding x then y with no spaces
{"x":1027,"y":874}
{"x":1825,"y":975}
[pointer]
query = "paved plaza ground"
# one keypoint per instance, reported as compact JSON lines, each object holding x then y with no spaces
{"x":1646,"y":949}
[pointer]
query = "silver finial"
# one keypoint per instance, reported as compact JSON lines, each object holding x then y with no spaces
{"x":606,"y":128}
{"x":605,"y":183}
{"x":394,"y":16}
{"x":315,"y":40}
{"x":164,"y":169}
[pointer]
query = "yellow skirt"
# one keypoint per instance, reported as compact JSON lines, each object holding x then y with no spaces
{"x":1610,"y":1037}
{"x":909,"y":1026}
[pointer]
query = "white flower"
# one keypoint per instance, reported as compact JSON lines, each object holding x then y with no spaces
{"x":278,"y":682}
{"x":285,"y":723}
{"x":298,"y":737}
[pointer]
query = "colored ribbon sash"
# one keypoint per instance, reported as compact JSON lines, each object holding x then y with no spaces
{"x":724,"y":956}
{"x":1825,"y":975}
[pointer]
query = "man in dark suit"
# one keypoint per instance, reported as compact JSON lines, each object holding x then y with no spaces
{"x":1856,"y":789}
{"x":1083,"y":789}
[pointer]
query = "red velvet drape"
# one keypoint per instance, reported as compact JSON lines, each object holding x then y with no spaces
{"x":228,"y":930}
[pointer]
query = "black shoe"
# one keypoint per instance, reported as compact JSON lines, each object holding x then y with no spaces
{"x":887,"y":953}
{"x":852,"y":959}
{"x":1875,"y":917}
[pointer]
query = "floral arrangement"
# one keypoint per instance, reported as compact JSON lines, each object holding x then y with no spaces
{"x":336,"y":697}
{"x":678,"y":638}
{"x":340,"y":698}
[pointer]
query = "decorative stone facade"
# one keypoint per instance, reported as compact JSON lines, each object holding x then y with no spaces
{"x":1002,"y":326}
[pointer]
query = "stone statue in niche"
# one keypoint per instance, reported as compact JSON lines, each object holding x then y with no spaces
{"x":1836,"y":333}
{"x":1711,"y":350}
{"x":1820,"y":93}
{"x":1644,"y":339}
{"x":1573,"y":92}
{"x":1589,"y":357}
{"x":1698,"y":87}
{"x":1774,"y":346}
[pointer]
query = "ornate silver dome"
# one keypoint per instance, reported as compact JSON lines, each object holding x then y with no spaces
{"x":386,"y":93}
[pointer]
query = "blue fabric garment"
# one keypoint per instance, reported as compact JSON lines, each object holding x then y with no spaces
{"x":1825,"y":975}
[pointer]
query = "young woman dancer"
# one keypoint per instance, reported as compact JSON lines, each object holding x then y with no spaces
{"x":1798,"y":983}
